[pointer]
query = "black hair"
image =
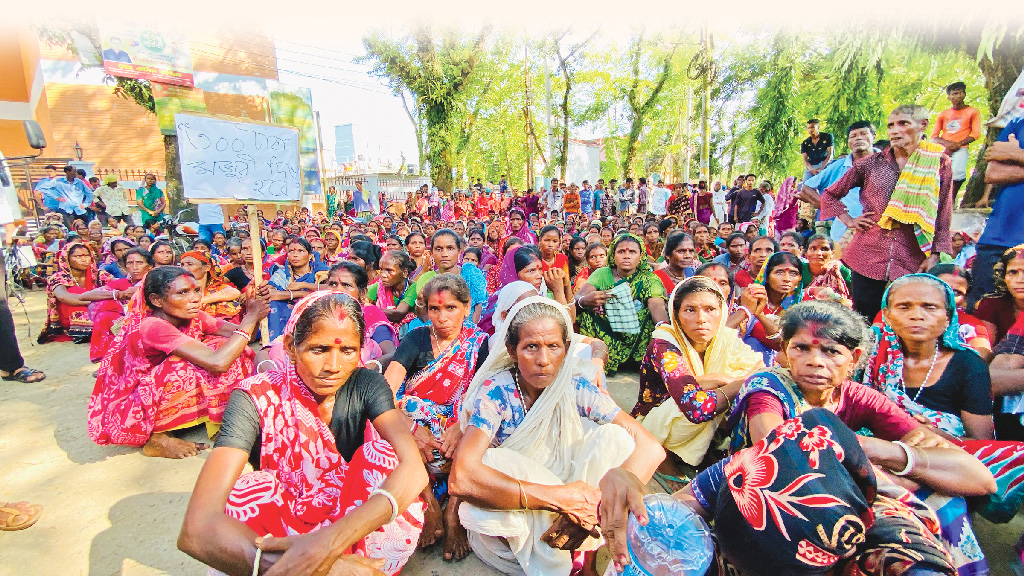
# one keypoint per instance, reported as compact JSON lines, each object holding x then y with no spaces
{"x":525,"y":256}
{"x":999,"y":272}
{"x":956,"y":86}
{"x":663,"y":226}
{"x":362,"y":238}
{"x":473,"y":250}
{"x":814,"y":121}
{"x":402,"y":259}
{"x":446,"y":232}
{"x":201,"y":243}
{"x":650,"y":225}
{"x":775,"y":243}
{"x":114,"y":243}
{"x":75,"y":246}
{"x":861,"y":124}
{"x":548,"y":228}
{"x":453,"y":284}
{"x":778,"y":259}
{"x":510,"y":242}
{"x":476,"y":232}
{"x":328,"y":307}
{"x":796,"y":238}
{"x":159,"y":280}
{"x":824,"y":237}
{"x":358,"y":273}
{"x":675,"y":240}
{"x":300,"y":241}
{"x":953,"y":270}
{"x":829,"y":320}
{"x":141,"y":252}
{"x":694,"y":285}
{"x":368,"y":252}
{"x":709,"y":265}
{"x":411,"y":234}
{"x":733,"y":236}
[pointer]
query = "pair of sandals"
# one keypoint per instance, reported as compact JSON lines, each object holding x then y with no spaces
{"x":25,"y":375}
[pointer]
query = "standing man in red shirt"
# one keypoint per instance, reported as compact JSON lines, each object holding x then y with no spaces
{"x":955,"y":128}
{"x":878,"y":255}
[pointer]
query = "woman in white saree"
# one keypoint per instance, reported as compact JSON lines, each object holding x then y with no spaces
{"x":539,"y":435}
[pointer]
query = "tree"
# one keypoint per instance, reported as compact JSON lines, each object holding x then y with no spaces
{"x":437,"y":72}
{"x":639,"y":106}
{"x":139,"y":91}
{"x":567,"y":65}
{"x":776,"y":122}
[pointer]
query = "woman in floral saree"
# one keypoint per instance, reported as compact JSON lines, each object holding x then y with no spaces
{"x":821,"y":344}
{"x":336,"y":472}
{"x":67,"y":318}
{"x":429,"y":373}
{"x":803,"y":501}
{"x":953,"y":387}
{"x":171,"y":367}
{"x":693,"y":369}
{"x":640,"y":306}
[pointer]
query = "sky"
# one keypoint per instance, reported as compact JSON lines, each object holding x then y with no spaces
{"x":344,"y":93}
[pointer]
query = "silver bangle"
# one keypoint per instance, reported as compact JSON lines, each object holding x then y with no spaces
{"x":256,"y":562}
{"x":386,"y":494}
{"x":380,"y":368}
{"x":911,"y":459}
{"x":272,"y":363}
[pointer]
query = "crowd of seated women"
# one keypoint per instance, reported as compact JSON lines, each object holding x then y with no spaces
{"x":448,"y":385}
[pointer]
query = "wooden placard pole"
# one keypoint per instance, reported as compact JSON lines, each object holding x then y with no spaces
{"x":257,"y":263}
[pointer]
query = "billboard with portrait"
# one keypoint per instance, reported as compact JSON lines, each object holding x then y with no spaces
{"x":146,"y":51}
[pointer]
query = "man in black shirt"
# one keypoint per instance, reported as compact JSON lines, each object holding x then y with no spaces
{"x":817,"y":149}
{"x":747,"y":200}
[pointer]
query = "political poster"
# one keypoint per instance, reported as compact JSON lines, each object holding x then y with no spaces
{"x":146,"y":51}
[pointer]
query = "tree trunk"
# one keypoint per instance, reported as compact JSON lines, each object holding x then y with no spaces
{"x":172,"y":174}
{"x":563,"y":154}
{"x":1000,"y":73}
{"x":631,"y":141}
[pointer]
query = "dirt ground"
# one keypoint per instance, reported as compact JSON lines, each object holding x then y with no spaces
{"x":110,"y":510}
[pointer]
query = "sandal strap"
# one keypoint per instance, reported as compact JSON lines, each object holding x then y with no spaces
{"x":14,"y":513}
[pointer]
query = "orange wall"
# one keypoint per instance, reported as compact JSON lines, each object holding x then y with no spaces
{"x":117,"y":133}
{"x":19,"y":64}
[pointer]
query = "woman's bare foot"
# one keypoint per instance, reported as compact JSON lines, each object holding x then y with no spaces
{"x":163,"y":445}
{"x":432,"y":522}
{"x":456,"y":540}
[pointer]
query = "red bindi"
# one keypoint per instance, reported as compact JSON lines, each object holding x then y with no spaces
{"x":337,"y":341}
{"x":815,"y":342}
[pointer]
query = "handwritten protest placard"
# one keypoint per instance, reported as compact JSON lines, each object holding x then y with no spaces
{"x":237,"y":160}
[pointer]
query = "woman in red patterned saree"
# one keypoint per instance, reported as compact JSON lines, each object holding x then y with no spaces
{"x":337,"y":473}
{"x":172,"y":366}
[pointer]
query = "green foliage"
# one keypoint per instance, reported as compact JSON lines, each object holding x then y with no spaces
{"x":776,"y":119}
{"x":438,"y":72}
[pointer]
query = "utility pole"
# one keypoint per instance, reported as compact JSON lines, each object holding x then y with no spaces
{"x":705,"y":145}
{"x":320,"y":151}
{"x":687,"y":149}
{"x":526,"y":114}
{"x":547,"y":116}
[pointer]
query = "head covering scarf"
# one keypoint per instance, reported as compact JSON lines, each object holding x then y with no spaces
{"x":524,"y":232}
{"x":107,"y":252}
{"x":79,"y":326}
{"x":780,"y":504}
{"x":507,"y":273}
{"x":503,"y":302}
{"x":215,"y":282}
{"x":727,"y":354}
{"x":786,"y":198}
{"x":885,"y":365}
{"x":552,"y":425}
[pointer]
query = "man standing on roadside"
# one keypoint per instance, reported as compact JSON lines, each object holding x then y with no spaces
{"x":955,"y":128}
{"x":816,"y":149}
{"x":627,"y":198}
{"x":907,"y":194}
{"x":859,"y":137}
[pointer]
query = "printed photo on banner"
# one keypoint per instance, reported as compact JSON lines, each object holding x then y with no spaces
{"x":146,"y":51}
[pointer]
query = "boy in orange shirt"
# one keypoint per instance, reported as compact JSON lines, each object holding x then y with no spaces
{"x":955,"y":128}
